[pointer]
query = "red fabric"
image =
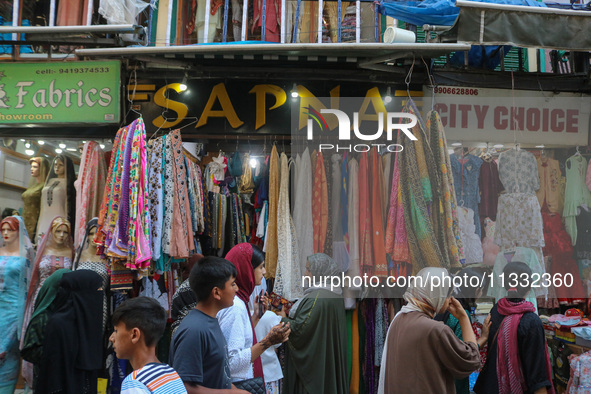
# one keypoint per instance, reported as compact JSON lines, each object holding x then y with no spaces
{"x":241,"y":256}
{"x":509,"y":370}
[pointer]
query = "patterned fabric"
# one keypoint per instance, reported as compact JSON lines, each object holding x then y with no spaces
{"x":271,"y":238}
{"x":319,"y":205}
{"x":518,"y":171}
{"x":329,"y":217}
{"x":90,"y":186}
{"x":416,"y":196}
{"x":288,"y":283}
{"x":32,"y":196}
{"x":365,"y":247}
{"x":155,"y":196}
{"x":466,"y":172}
{"x":519,"y":221}
{"x":396,"y":236}
{"x":551,"y":191}
{"x":168,"y":195}
{"x":438,"y":143}
{"x":155,"y":379}
{"x":580,"y":378}
{"x":471,"y":241}
{"x":380,"y":267}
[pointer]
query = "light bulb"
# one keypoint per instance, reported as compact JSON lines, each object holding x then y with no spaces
{"x":294,"y":91}
{"x":71,"y":149}
{"x":27,"y":145}
{"x":183,"y":87}
{"x":58,"y":150}
{"x":30,"y":152}
{"x":253,"y":163}
{"x":456,"y":144}
{"x":62,"y":146}
{"x":41,"y":142}
{"x":388,"y":97}
{"x":102,"y":146}
{"x":498,"y":146}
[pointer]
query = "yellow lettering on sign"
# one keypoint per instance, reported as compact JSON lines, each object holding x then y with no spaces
{"x":219,"y":93}
{"x":261,"y":92}
{"x":161,"y":101}
{"x":372,"y":97}
{"x":307,"y":99}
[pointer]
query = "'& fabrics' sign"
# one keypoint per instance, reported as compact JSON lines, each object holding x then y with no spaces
{"x":64,"y":92}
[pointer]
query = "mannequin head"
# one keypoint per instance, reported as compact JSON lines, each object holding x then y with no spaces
{"x":35,"y":168}
{"x":60,"y":229}
{"x":59,"y":168}
{"x":90,"y":238}
{"x":9,"y":228}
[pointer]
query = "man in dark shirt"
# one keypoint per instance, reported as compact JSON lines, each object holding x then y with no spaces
{"x":198,"y":351}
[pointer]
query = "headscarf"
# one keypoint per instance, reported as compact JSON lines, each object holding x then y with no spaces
{"x":43,"y":171}
{"x":70,"y":177}
{"x":32,"y":349}
{"x":241,"y":256}
{"x":92,"y":223}
{"x":26,"y":256}
{"x":72,"y":351}
{"x":426,"y":295}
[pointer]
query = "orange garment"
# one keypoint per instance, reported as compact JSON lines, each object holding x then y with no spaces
{"x":271,"y":251}
{"x":377,"y":214}
{"x":319,"y":205}
{"x":551,"y":189}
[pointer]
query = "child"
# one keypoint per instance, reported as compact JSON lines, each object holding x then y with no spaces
{"x":139,"y":323}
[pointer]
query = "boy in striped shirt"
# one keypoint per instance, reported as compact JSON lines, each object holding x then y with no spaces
{"x":139,"y":323}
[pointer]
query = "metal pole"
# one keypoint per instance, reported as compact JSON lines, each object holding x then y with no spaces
{"x":206,"y":24}
{"x":357,"y":21}
{"x":320,"y":7}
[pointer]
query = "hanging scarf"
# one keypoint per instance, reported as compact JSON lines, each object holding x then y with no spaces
{"x":448,"y":204}
{"x":241,"y":257}
{"x":365,"y":246}
{"x":182,"y":242}
{"x":319,"y":205}
{"x":90,"y":186}
{"x":396,"y":235}
{"x":377,"y":225}
{"x":509,"y":369}
{"x":155,"y":195}
{"x":416,"y":198}
{"x":271,"y":236}
{"x":344,"y":199}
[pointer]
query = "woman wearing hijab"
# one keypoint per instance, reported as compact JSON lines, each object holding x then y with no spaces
{"x":517,"y":359}
{"x":422,"y":355}
{"x":15,"y":258}
{"x":237,"y":322}
{"x":316,"y":359}
{"x":45,"y":306}
{"x":72,"y":349}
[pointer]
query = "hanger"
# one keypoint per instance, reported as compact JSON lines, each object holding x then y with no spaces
{"x":409,"y":78}
{"x":578,"y":152}
{"x":132,"y":76}
{"x":431,"y":82}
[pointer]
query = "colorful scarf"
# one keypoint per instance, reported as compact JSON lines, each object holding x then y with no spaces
{"x":377,"y":225}
{"x":320,"y":205}
{"x":271,"y":236}
{"x":365,"y":246}
{"x":396,"y":236}
{"x":509,"y":369}
{"x":345,"y":199}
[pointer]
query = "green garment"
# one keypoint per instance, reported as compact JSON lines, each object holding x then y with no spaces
{"x":316,"y":359}
{"x":44,"y":307}
{"x":462,"y":385}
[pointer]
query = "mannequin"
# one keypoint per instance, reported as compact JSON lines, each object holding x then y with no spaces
{"x":55,"y":251}
{"x":87,"y":259}
{"x":15,"y":249}
{"x":58,"y":197}
{"x":32,"y":196}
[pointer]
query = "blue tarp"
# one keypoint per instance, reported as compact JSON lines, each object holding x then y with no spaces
{"x":435,"y":12}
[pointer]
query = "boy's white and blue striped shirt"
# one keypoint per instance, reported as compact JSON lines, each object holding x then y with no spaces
{"x":153,"y":379}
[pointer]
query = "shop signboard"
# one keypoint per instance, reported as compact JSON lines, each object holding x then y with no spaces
{"x":505,"y":116}
{"x":59,"y":93}
{"x":226,"y":107}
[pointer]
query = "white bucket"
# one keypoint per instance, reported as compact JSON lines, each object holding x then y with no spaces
{"x":394,"y":34}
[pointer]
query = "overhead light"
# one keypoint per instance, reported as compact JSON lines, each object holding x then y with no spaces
{"x":253,"y":163}
{"x":58,"y":150}
{"x":102,"y":146}
{"x":27,"y":145}
{"x":41,"y":142}
{"x":183,"y":85}
{"x":294,"y":91}
{"x":29,"y":152}
{"x":498,"y":146}
{"x":22,"y":140}
{"x":63,"y":146}
{"x":456,"y":144}
{"x":71,"y":149}
{"x":540,"y":146}
{"x":84,"y":142}
{"x":388,"y":97}
{"x":450,"y":151}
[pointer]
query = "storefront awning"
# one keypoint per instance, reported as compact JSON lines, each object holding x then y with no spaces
{"x":368,"y":55}
{"x":496,"y":24}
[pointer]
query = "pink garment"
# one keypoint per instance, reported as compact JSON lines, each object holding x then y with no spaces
{"x":71,"y":13}
{"x":90,"y":186}
{"x":272,"y":19}
{"x":489,"y":247}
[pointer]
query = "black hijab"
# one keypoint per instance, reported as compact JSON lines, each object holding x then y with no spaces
{"x":72,"y":352}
